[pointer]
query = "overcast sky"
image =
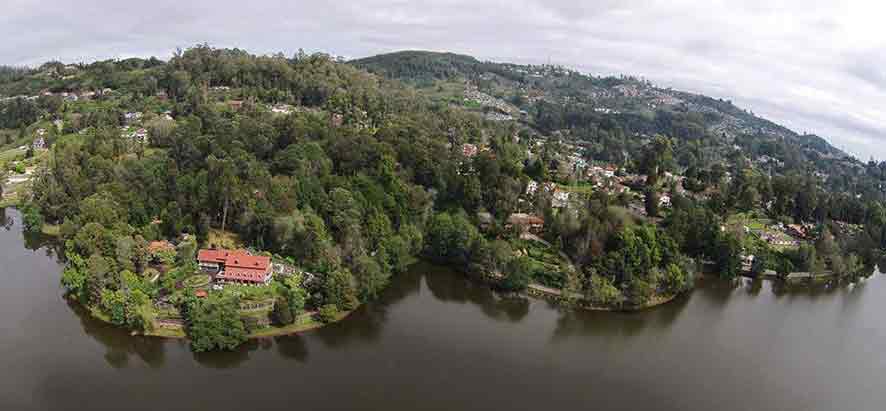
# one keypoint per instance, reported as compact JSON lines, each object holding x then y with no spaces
{"x":813,"y":65}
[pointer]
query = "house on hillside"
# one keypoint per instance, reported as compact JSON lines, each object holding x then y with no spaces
{"x":155,"y":247}
{"x":282,"y":109}
{"x":531,"y":187}
{"x":560,"y":199}
{"x":336,"y":120}
{"x":158,"y":249}
{"x":796,"y":230}
{"x":236,"y":266}
{"x":485,"y":219}
{"x":132,"y":117}
{"x":39,"y":144}
{"x":526,"y":222}
{"x":469,"y":150}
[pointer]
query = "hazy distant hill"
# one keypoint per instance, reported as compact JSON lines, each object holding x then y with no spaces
{"x":447,"y":76}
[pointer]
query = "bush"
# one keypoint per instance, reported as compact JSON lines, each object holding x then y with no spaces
{"x":282,"y":312}
{"x":676,"y":279}
{"x":641,"y":291}
{"x":518,"y":272}
{"x":31,"y":218}
{"x":215,"y":324}
{"x":603,"y":293}
{"x":328,"y":313}
{"x":339,"y":290}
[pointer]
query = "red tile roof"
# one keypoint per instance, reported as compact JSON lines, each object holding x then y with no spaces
{"x":218,"y":256}
{"x":157,"y":246}
{"x":238,"y":264}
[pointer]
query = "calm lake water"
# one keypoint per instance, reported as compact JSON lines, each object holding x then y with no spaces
{"x":438,"y":342}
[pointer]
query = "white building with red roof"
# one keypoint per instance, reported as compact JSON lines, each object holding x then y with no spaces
{"x":236,"y":266}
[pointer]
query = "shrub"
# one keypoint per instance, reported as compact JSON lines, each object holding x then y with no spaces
{"x":328,"y":313}
{"x":282,"y":312}
{"x":602,"y":292}
{"x":519,"y":271}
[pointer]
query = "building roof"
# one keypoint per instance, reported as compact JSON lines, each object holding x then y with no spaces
{"x":157,"y":246}
{"x":238,"y":264}
{"x":218,"y":255}
{"x":525,"y":219}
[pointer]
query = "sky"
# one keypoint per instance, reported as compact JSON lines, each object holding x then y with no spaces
{"x":816,"y":66}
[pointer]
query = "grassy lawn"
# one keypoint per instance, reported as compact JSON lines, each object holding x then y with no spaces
{"x":52,"y":230}
{"x":197,"y":281}
{"x":448,"y":91}
{"x":224,"y":239}
{"x":12,"y":155}
{"x":166,"y":333}
{"x":305,"y":323}
{"x":9,"y":200}
{"x":577,"y":188}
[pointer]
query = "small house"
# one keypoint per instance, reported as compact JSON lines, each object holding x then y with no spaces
{"x":560,"y":199}
{"x":469,"y":150}
{"x":485,"y":219}
{"x":526,"y":222}
{"x":39,"y":144}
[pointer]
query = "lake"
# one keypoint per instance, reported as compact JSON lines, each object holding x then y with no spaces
{"x":436,"y":341}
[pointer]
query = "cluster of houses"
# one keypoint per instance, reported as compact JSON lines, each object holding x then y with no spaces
{"x":472,"y":94}
{"x":137,"y":135}
{"x":781,"y":235}
{"x":559,"y":197}
{"x":66,"y":96}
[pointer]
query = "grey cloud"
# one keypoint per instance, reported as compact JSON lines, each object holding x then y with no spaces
{"x":813,"y":65}
{"x":869,"y":68}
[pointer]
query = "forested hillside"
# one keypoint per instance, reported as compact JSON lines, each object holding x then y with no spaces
{"x":609,"y":190}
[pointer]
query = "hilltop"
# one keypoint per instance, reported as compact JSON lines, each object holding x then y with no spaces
{"x":523,"y":88}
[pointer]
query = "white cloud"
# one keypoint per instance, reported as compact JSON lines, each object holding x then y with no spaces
{"x":813,"y":65}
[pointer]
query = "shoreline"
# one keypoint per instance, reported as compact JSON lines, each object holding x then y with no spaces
{"x":273,"y":331}
{"x":179,"y":334}
{"x":555,"y":296}
{"x":308,"y":323}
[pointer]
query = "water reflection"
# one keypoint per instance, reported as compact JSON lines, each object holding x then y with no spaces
{"x":364,"y":325}
{"x":690,"y":354}
{"x":448,"y":286}
{"x":120,"y":346}
{"x":753,"y":286}
{"x":292,"y":347}
{"x":226,"y":359}
{"x":5,"y":221}
{"x":621,"y":324}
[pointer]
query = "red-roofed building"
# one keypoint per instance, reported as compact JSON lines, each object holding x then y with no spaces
{"x":155,"y":247}
{"x":236,"y":266}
